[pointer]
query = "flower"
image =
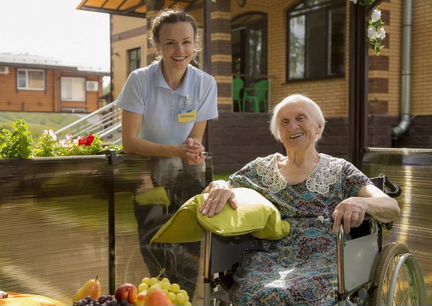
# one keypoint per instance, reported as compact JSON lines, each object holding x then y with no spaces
{"x":375,"y":32}
{"x":88,"y":141}
{"x":50,"y":134}
{"x":376,"y":15}
{"x":49,"y":145}
{"x":66,"y":142}
{"x":381,"y":35}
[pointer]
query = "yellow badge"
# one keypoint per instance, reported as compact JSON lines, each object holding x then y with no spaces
{"x":187,"y":117}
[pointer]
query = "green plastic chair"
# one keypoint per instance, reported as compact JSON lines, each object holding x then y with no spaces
{"x":238,"y":85}
{"x":257,"y":95}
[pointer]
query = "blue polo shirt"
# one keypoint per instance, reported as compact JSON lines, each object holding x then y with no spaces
{"x":146,"y":92}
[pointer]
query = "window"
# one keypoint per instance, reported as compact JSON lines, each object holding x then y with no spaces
{"x":31,"y":79}
{"x":73,"y":89}
{"x":249,"y":46}
{"x":316,"y":39}
{"x":134,"y":58}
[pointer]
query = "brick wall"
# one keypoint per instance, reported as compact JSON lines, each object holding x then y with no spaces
{"x":421,"y":58}
{"x":237,"y":138}
{"x":13,"y":100}
{"x":331,"y":94}
{"x":48,"y":100}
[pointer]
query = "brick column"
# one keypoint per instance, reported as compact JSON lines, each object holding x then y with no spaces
{"x":379,"y":83}
{"x":221,"y":52}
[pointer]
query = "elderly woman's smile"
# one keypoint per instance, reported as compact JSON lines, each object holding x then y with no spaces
{"x":297,"y":124}
{"x":297,"y":135}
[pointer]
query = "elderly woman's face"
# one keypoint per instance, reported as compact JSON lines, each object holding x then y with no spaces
{"x":298,"y":128}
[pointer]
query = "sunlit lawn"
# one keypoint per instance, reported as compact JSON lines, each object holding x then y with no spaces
{"x":38,"y":121}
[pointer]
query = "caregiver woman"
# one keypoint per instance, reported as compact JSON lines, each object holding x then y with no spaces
{"x":165,"y":108}
{"x":166,"y":105}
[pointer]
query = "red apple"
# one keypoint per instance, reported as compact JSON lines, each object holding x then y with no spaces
{"x":126,"y":292}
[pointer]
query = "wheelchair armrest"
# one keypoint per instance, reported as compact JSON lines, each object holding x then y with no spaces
{"x":384,"y":184}
{"x":389,"y":188}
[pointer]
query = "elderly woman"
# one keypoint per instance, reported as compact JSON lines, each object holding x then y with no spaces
{"x":316,"y":193}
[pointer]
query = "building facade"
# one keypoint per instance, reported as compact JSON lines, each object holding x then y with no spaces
{"x":31,"y":83}
{"x":299,"y":46}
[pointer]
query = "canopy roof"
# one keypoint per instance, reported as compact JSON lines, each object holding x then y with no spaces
{"x":137,"y":8}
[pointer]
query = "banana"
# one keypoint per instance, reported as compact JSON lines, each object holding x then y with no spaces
{"x":91,"y":288}
{"x":16,"y":299}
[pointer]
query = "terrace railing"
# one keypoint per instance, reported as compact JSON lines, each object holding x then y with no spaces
{"x":104,"y":122}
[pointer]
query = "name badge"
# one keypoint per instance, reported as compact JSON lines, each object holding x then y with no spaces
{"x":187,"y":116}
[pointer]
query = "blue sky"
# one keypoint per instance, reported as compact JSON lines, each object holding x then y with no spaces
{"x":55,"y":28}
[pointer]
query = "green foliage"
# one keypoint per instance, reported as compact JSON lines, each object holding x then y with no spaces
{"x":16,"y":143}
{"x":376,"y":35}
{"x":47,"y":145}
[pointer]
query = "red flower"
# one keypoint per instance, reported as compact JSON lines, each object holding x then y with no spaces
{"x":82,"y":141}
{"x":89,"y":140}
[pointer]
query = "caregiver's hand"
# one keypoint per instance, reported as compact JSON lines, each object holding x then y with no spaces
{"x":216,"y":201}
{"x":194,"y":151}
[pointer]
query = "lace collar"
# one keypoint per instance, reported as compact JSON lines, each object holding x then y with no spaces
{"x":325,"y":174}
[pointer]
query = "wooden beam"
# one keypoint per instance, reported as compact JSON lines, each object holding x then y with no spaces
{"x":358,"y":91}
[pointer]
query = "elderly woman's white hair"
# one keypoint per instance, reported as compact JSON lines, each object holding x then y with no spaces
{"x":297,"y":99}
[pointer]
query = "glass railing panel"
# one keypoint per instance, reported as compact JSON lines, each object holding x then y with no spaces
{"x":53,"y":225}
{"x":65,"y":220}
{"x":411,"y":169}
{"x":147,"y":193}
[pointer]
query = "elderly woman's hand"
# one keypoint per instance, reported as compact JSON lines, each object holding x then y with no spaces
{"x":219,"y":195}
{"x":350,"y":213}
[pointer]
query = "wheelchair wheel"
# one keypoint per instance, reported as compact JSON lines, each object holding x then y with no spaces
{"x":398,"y":279}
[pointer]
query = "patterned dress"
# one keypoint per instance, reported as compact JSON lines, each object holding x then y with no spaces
{"x":300,"y":269}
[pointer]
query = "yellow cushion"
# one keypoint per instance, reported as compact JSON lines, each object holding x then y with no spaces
{"x":255,"y":215}
{"x":157,"y":195}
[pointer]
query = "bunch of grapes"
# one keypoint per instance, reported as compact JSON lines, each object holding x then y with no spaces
{"x":177,"y":295}
{"x":104,"y":300}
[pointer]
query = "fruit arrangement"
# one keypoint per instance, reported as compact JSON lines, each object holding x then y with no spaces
{"x":157,"y":290}
{"x":153,"y":291}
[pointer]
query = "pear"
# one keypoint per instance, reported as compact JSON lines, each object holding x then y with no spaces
{"x":157,"y":297}
{"x":91,"y":288}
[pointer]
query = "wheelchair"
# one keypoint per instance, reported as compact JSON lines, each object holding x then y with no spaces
{"x":368,"y":274}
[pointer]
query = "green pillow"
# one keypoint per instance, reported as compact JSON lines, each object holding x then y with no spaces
{"x":154,"y":196}
{"x":255,"y":215}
